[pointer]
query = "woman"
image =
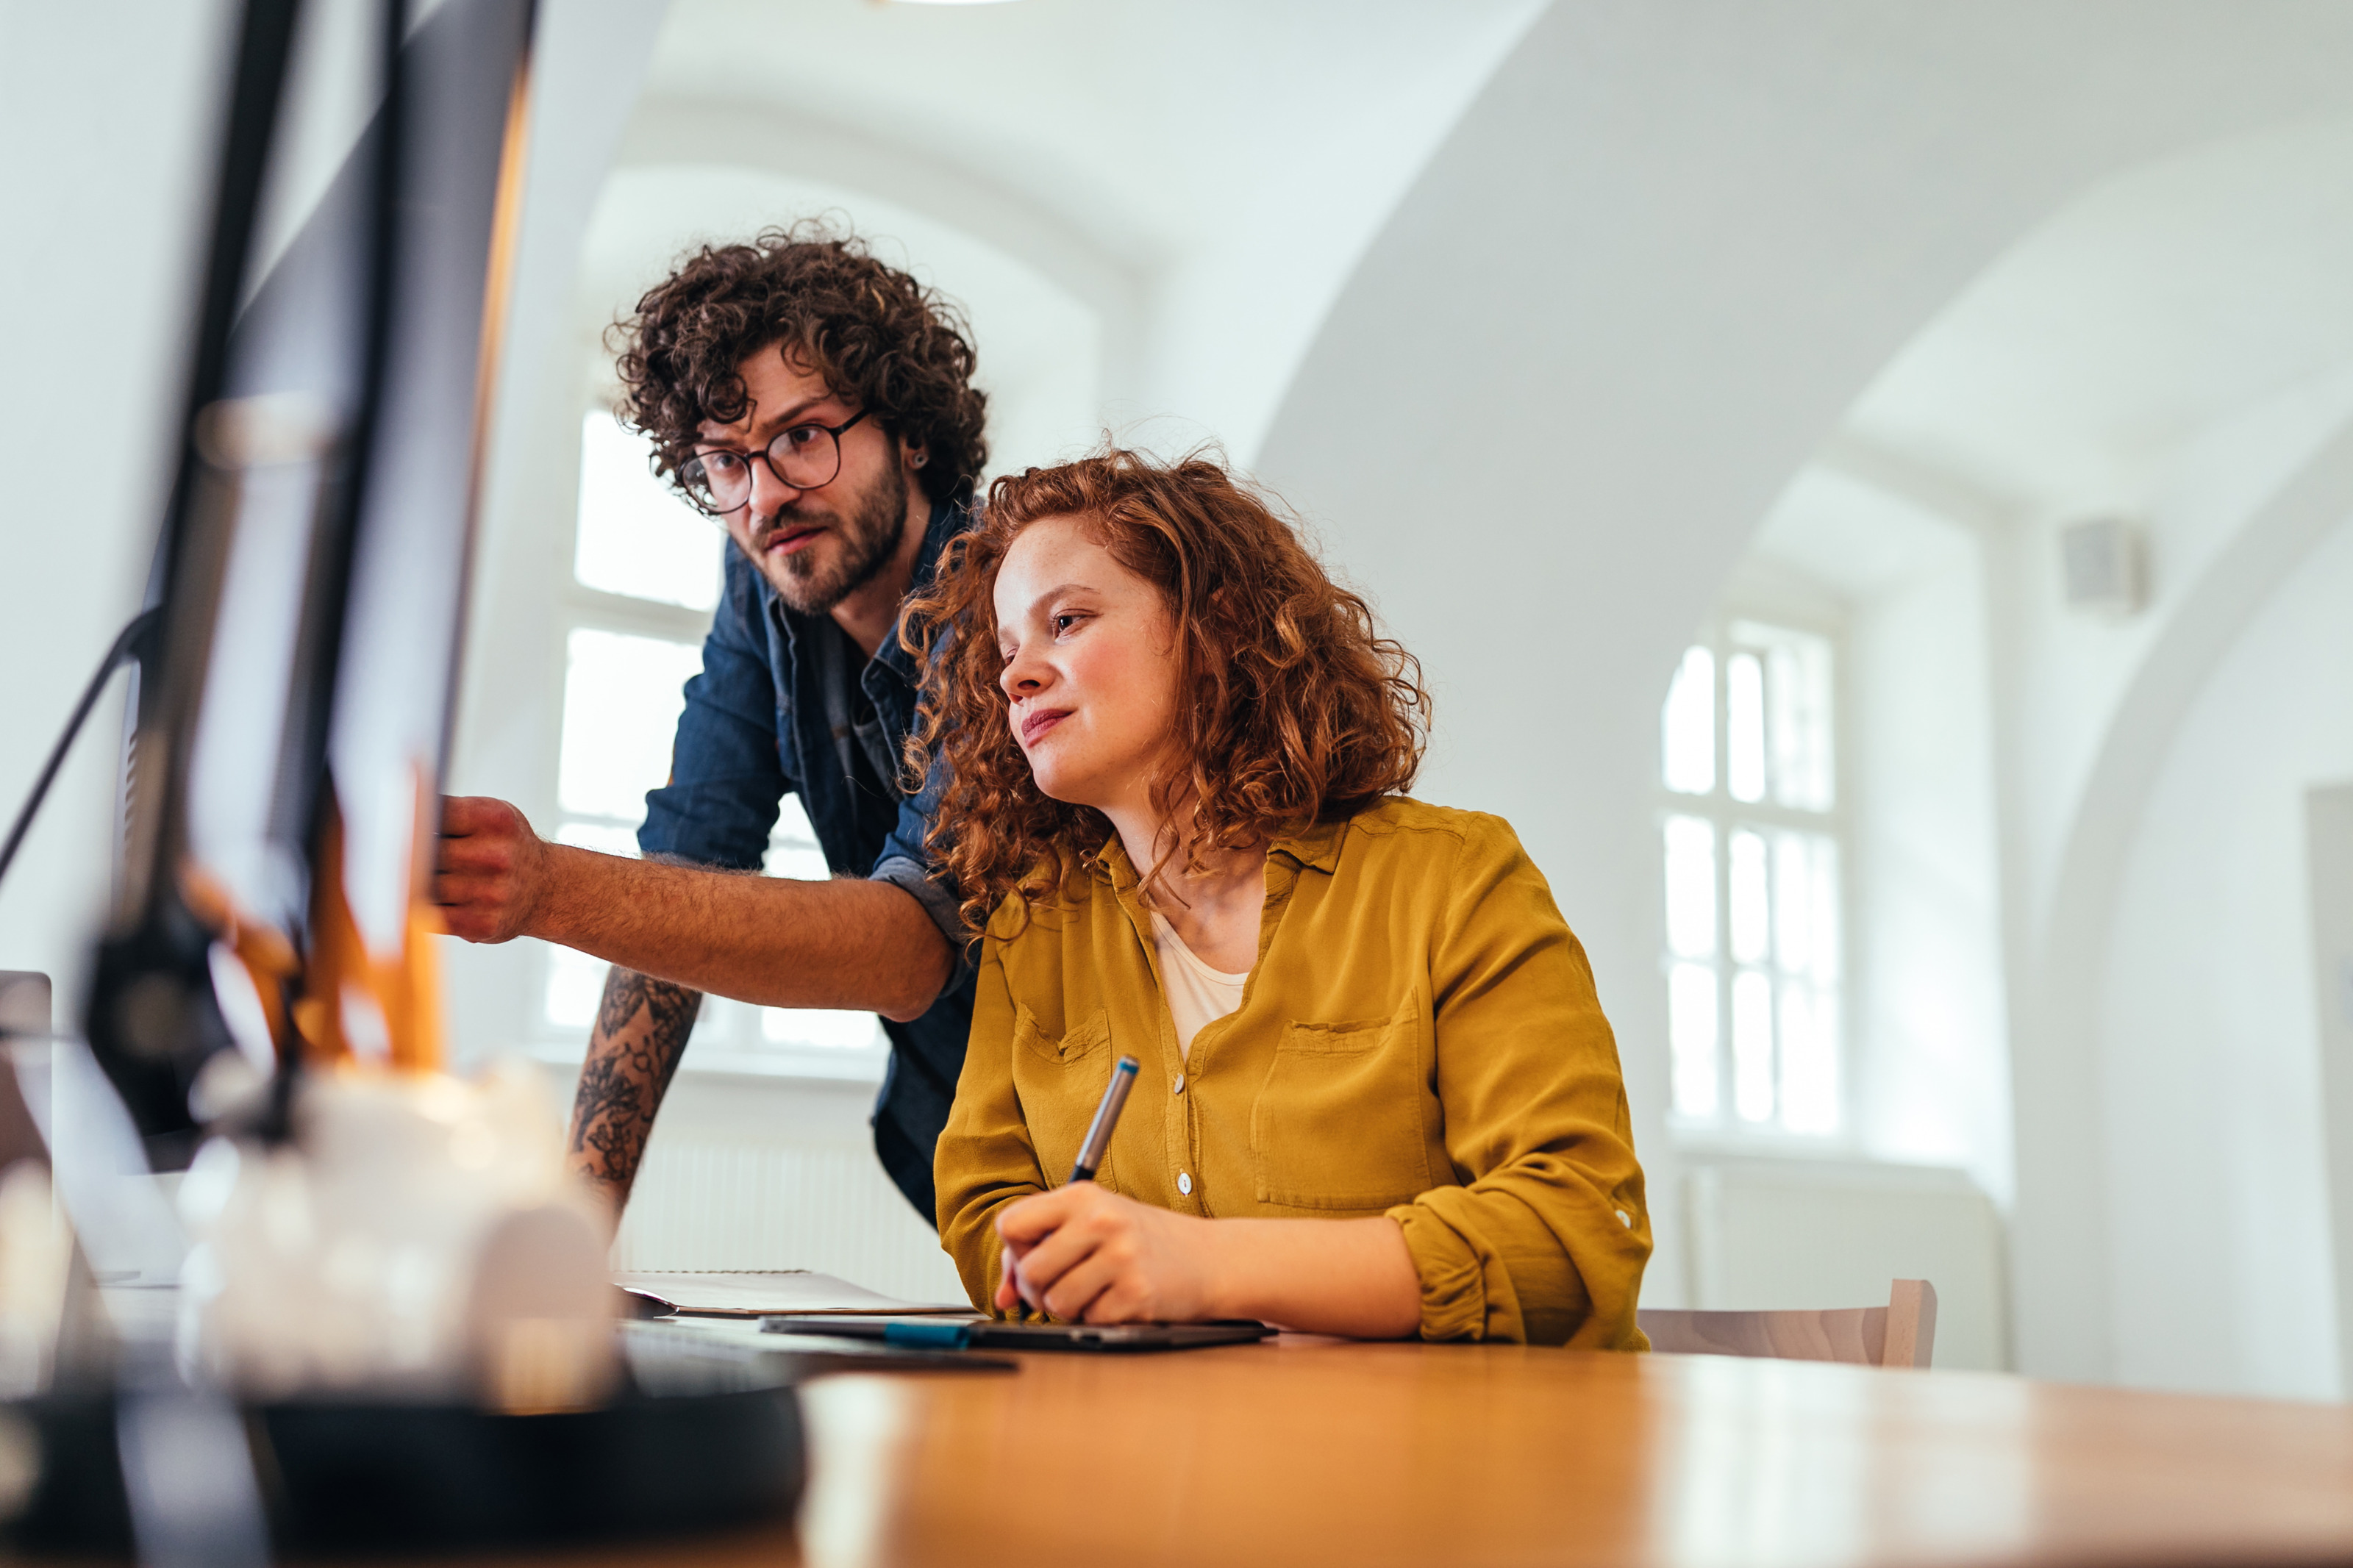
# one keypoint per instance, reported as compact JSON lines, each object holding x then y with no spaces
{"x":1378,"y":1097}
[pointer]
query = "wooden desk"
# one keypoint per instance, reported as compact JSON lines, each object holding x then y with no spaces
{"x":1306,"y":1451}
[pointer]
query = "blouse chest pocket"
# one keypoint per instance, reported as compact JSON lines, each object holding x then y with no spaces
{"x":1059,"y":1079}
{"x":1337,"y":1124}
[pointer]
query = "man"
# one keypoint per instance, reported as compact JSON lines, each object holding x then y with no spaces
{"x":818,"y":405}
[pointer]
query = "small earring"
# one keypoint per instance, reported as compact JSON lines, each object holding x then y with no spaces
{"x":919,"y":460}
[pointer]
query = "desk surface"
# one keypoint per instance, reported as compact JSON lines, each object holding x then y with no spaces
{"x":1306,"y":1450}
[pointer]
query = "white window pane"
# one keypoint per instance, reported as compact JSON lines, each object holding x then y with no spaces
{"x":635,"y":535}
{"x":605,"y":837}
{"x":621,"y":702}
{"x":1810,"y":1059}
{"x":1796,"y":1030}
{"x":1791,"y":779}
{"x":793,"y":823}
{"x":1752,"y":1045}
{"x":1691,"y":886}
{"x":1692,"y":1036}
{"x":792,"y":845}
{"x":720,"y":1023}
{"x":1799,"y":696}
{"x":1793,"y":913}
{"x":821,"y":1028}
{"x":791,"y":857}
{"x":1687,"y":725}
{"x":1827,"y":925}
{"x":1744,"y":727}
{"x":575,"y":985}
{"x":1751,"y":926}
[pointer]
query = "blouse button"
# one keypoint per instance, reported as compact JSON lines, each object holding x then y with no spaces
{"x":1180,"y":1083}
{"x":1185,"y":1184}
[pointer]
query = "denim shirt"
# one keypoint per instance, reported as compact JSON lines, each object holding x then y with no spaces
{"x":757,"y":724}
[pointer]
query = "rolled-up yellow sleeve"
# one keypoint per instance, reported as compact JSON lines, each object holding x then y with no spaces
{"x":1546,"y":1238}
{"x":985,"y":1159}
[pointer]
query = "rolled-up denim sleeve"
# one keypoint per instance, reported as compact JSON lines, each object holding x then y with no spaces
{"x":725,"y":779}
{"x":906,"y":860}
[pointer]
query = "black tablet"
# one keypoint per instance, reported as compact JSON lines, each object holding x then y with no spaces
{"x":932,"y":1333}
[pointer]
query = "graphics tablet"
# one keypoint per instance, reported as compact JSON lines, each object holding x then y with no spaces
{"x":932,"y":1333}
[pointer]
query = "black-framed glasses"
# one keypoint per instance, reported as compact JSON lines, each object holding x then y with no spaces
{"x":805,"y":457}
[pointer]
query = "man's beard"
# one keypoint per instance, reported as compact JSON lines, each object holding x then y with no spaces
{"x":868,"y":532}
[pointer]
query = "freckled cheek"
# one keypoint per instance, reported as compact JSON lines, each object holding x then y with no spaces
{"x":1092,"y":674}
{"x":1127,"y":684}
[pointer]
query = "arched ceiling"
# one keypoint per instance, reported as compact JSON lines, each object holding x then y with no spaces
{"x":2074,"y":373}
{"x":2158,"y":303}
{"x":1655,"y":266}
{"x":1212,"y":169}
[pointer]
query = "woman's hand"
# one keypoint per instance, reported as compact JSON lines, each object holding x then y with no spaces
{"x":1089,"y":1255}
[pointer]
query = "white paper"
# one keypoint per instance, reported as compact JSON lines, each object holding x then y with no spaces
{"x":750,"y":1293}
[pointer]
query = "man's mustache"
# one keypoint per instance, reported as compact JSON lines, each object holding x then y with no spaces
{"x":797,"y":515}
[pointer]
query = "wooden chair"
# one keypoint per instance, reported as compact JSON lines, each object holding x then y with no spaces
{"x":1901,"y":1333}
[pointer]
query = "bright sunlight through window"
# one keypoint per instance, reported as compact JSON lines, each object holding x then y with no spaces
{"x":1751,"y":855}
{"x":625,"y":673}
{"x":636,"y":536}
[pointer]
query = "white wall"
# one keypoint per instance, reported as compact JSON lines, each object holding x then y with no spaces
{"x":100,"y":199}
{"x":1935,"y":1082}
{"x":2172,"y":344}
{"x":2208,"y":1038}
{"x":1927,"y":1036}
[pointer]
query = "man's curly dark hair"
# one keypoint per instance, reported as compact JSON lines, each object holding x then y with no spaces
{"x":879,"y":338}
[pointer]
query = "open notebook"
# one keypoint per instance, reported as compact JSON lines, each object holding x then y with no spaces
{"x":751,"y":1293}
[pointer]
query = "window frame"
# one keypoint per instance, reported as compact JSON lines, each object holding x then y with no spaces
{"x":1725,"y":1130}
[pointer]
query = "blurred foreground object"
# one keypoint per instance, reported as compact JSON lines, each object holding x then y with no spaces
{"x":419,"y":1239}
{"x":394,"y":1327}
{"x":36,"y":1263}
{"x":291,"y":727}
{"x":394,"y":1331}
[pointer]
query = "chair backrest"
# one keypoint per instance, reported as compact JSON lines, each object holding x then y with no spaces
{"x":1901,"y":1333}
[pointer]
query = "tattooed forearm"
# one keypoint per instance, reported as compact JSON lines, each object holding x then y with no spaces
{"x":670,"y":1009}
{"x":641,"y":1030}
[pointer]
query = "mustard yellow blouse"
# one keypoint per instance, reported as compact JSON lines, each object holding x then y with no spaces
{"x":1420,"y":1038}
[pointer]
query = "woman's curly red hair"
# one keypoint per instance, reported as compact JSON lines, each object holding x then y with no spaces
{"x":1299,"y":710}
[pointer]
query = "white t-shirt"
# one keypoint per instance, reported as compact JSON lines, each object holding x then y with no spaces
{"x":1197,"y":994}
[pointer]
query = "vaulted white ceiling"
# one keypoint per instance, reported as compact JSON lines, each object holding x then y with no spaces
{"x":1200,"y":178}
{"x":2078,"y":372}
{"x":2168,"y":298}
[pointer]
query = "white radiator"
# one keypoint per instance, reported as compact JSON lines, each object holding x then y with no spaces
{"x":776,"y":1175}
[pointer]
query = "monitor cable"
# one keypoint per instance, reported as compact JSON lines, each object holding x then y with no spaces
{"x":129,"y":646}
